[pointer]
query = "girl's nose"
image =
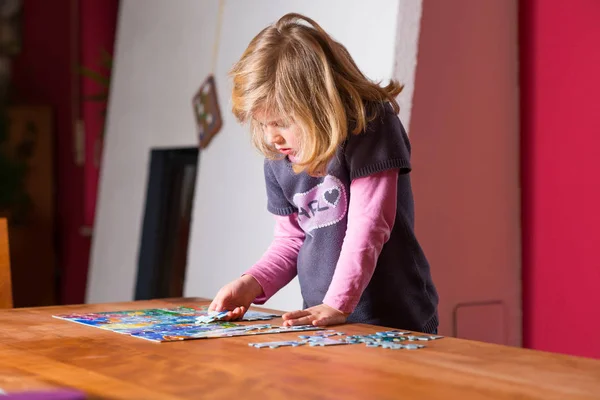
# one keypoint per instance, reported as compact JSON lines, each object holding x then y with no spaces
{"x":273,"y":137}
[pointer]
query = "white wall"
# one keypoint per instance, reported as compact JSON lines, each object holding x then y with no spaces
{"x":163,"y":53}
{"x":407,"y":44}
{"x":161,"y":56}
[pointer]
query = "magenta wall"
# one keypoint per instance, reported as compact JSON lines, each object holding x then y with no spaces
{"x":97,"y":32}
{"x":58,"y":36}
{"x":98,"y":24}
{"x":43,"y":74}
{"x":560,"y":59}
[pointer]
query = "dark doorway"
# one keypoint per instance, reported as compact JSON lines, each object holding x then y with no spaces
{"x":162,"y":255}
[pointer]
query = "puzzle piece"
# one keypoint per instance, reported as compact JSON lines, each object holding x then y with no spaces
{"x":214,"y":316}
{"x":211,"y":317}
{"x":374,"y":338}
{"x":423,"y":338}
{"x":392,"y":333}
{"x":297,"y":328}
{"x":324,"y":334}
{"x":395,"y":346}
{"x":351,"y":340}
{"x":258,"y":316}
{"x":275,"y":345}
{"x":412,"y":346}
{"x":325,"y":341}
{"x":378,"y":338}
{"x":357,"y":339}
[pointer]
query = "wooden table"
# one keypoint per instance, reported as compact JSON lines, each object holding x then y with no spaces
{"x":37,"y":351}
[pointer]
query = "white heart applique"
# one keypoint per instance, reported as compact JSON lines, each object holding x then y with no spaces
{"x":324,"y":205}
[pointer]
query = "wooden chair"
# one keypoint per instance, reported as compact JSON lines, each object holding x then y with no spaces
{"x":6,"y":300}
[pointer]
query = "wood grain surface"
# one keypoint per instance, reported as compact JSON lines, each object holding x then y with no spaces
{"x":38,"y":351}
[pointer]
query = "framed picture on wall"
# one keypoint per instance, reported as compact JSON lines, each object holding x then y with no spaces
{"x":207,"y":112}
{"x":10,"y":27}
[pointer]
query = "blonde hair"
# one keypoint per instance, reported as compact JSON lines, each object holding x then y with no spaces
{"x":300,"y":72}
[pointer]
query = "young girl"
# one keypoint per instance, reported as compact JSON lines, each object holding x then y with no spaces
{"x":337,"y":178}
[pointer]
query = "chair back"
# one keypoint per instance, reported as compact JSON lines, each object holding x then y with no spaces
{"x":6,"y":299}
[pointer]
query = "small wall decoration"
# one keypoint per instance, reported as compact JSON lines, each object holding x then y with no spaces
{"x":10,"y":27}
{"x":207,"y":112}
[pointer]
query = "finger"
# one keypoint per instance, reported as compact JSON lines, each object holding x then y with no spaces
{"x":295,"y":314}
{"x":222,"y":307}
{"x":236,"y":313}
{"x":300,"y":321}
{"x":226,"y":317}
{"x":331,"y":320}
{"x":241,"y":311}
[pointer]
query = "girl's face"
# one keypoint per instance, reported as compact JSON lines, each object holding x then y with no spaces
{"x":281,"y":133}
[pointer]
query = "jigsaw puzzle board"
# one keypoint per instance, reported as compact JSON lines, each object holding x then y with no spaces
{"x":173,"y":324}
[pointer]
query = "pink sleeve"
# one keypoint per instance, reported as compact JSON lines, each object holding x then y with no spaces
{"x":371,"y":216}
{"x":277,"y":267}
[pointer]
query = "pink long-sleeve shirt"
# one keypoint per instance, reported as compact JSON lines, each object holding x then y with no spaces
{"x":371,"y":216}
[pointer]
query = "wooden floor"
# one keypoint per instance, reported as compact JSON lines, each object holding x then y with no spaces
{"x":38,"y":351}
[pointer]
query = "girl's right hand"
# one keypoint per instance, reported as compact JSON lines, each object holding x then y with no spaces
{"x":236,"y":297}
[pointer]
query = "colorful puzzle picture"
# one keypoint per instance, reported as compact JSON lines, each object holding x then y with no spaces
{"x":174,"y":324}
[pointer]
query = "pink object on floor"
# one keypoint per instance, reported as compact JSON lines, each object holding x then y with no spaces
{"x":60,"y":394}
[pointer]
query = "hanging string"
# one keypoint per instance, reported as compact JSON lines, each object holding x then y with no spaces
{"x":217,"y":36}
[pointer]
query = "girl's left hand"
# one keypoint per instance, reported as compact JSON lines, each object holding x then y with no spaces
{"x":321,"y":315}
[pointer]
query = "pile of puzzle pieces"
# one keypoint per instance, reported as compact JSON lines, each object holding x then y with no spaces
{"x":388,"y":340}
